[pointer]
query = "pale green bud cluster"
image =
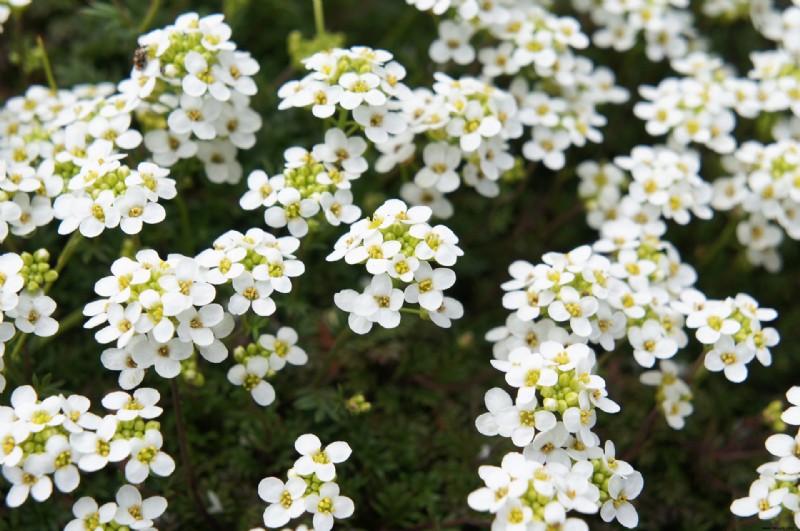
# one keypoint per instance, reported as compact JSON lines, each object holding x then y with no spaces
{"x":36,"y":270}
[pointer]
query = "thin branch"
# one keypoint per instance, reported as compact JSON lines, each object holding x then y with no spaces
{"x":187,"y":465}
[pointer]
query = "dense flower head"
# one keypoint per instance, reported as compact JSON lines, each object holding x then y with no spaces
{"x":310,"y":487}
{"x":51,"y":441}
{"x":400,"y":249}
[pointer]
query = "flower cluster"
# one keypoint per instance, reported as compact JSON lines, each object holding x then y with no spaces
{"x":130,"y":511}
{"x":673,"y":394}
{"x":50,"y":441}
{"x":764,"y":186}
{"x":563,"y":467}
{"x":257,"y":362}
{"x":399,"y":248}
{"x":461,"y":120}
{"x":358,"y":80}
{"x":63,"y":152}
{"x":310,"y":487}
{"x":644,"y":294}
{"x":191,"y":89}
{"x":158,"y":312}
{"x":525,"y":41}
{"x":23,"y":278}
{"x":667,"y":25}
{"x":775,"y":495}
{"x":311,"y":182}
{"x":731,"y":331}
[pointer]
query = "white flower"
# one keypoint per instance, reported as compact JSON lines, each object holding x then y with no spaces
{"x":97,"y":449}
{"x":195,"y":115}
{"x":251,"y":377}
{"x":32,"y":315}
{"x":141,"y":405}
{"x":762,"y":501}
{"x":200,"y":78}
{"x":121,"y":323}
{"x":453,"y":43}
{"x":285,"y":499}
{"x":429,"y":285}
{"x":379,"y":123}
{"x":315,"y":460}
{"x":283,"y":348}
{"x":87,"y":514}
{"x":380,"y":303}
{"x":196,"y":325}
{"x":164,"y":357}
{"x":135,"y":513}
{"x":66,"y":476}
{"x":649,"y":343}
{"x":571,"y":306}
{"x":328,"y":505}
{"x":787,"y":448}
{"x":792,"y":414}
{"x":450,"y":309}
{"x":441,"y":161}
{"x":621,"y":490}
{"x":360,"y":88}
{"x":146,"y":457}
{"x":731,"y":358}
{"x":31,"y":479}
{"x":251,"y":292}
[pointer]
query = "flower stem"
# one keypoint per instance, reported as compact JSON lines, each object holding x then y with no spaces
{"x":48,"y":70}
{"x":319,"y":17}
{"x":720,"y":243}
{"x":184,"y":450}
{"x":149,"y":16}
{"x":66,"y":253}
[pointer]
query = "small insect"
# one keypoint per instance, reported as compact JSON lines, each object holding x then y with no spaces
{"x":140,"y":58}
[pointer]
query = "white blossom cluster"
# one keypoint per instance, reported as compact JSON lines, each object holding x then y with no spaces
{"x":560,"y":106}
{"x":639,"y":191}
{"x":310,"y":486}
{"x":157,"y":312}
{"x":462,"y":120}
{"x":311,"y":182}
{"x":359,"y":80}
{"x":191,"y":89}
{"x":399,"y":248}
{"x":258,"y":361}
{"x":562,"y":467}
{"x":667,"y":25}
{"x":52,"y":440}
{"x":130,"y":510}
{"x":729,"y":9}
{"x":699,"y":108}
{"x":776,"y":491}
{"x":640,"y":292}
{"x":22,"y":298}
{"x":62,"y":155}
{"x":764,"y":187}
{"x":673,"y":394}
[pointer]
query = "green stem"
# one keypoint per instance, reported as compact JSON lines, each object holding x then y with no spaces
{"x":149,"y":16}
{"x":411,"y":310}
{"x":66,"y":253}
{"x":18,"y":346}
{"x":720,"y":243}
{"x":319,"y":17}
{"x":48,"y":70}
{"x":69,"y":322}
